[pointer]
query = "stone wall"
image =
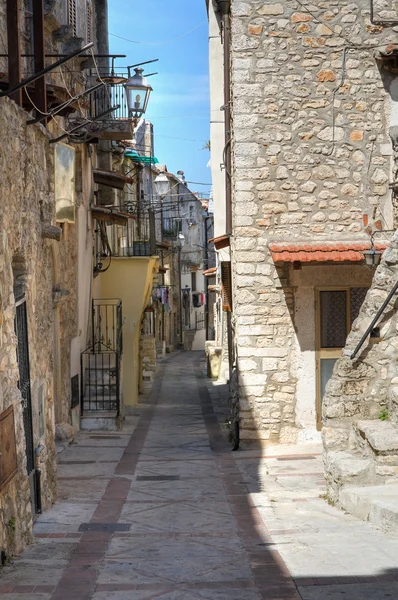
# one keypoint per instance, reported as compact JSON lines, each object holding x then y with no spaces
{"x":360,"y":409}
{"x":27,"y":202}
{"x":311,"y":153}
{"x":147,"y":362}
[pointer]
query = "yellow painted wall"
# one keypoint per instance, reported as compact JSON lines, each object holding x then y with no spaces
{"x":131,"y":280}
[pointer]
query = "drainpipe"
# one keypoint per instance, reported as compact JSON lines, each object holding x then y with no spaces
{"x":106,"y":195}
{"x":224,"y":8}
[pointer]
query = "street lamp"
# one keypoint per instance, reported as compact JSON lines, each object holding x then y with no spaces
{"x":373,"y":256}
{"x":181,"y":240}
{"x":138,"y":91}
{"x":162,"y":185}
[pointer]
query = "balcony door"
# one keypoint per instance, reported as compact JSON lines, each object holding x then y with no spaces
{"x":336,"y":310}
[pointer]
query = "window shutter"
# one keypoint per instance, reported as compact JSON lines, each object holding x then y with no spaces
{"x":72,"y":16}
{"x":226,"y":282}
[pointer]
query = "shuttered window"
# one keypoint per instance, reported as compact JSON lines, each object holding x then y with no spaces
{"x":72,"y":16}
{"x":226,"y":282}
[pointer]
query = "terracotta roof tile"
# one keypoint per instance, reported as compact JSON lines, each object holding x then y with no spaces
{"x":322,"y":252}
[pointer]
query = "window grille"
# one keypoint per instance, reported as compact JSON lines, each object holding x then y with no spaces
{"x":72,"y":16}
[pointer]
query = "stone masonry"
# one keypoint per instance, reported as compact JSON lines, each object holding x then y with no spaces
{"x":27,"y":203}
{"x":360,"y":432}
{"x":311,"y":152}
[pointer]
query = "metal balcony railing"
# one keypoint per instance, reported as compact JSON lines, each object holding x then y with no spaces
{"x":136,"y":238}
{"x":111,"y":94}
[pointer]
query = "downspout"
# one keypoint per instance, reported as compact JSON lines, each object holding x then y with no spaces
{"x":106,"y":195}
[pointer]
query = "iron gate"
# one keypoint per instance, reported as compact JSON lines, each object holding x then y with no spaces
{"x":101,"y":361}
{"x":21,"y":330}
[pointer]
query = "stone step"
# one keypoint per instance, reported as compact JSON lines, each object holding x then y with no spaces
{"x":100,"y":389}
{"x":100,"y":420}
{"x":377,"y":504}
{"x":100,"y":361}
{"x":382,"y":436}
{"x":100,"y":375}
{"x":99,"y":406}
{"x":346,"y":466}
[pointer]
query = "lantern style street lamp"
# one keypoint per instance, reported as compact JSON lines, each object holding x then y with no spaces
{"x":138,"y":91}
{"x":162,"y":185}
{"x":372,"y":257}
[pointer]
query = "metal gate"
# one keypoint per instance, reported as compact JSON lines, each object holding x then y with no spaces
{"x":21,"y":330}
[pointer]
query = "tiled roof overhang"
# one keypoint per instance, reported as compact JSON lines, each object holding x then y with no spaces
{"x":210,"y":272}
{"x":223,"y":241}
{"x":322,"y":252}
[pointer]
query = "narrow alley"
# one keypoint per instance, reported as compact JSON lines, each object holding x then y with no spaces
{"x":162,"y":509}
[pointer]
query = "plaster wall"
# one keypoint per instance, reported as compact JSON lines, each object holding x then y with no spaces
{"x":217,"y":127}
{"x":131,"y":280}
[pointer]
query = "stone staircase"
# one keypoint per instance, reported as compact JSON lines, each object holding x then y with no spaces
{"x":363,"y":478}
{"x":100,"y":406}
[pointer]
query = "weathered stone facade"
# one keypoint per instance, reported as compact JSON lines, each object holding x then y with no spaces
{"x":311,"y":153}
{"x":27,"y":203}
{"x":360,"y":432}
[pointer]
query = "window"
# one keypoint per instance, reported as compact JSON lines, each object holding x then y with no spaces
{"x":337,"y":309}
{"x":193,"y":281}
{"x":72,"y":16}
{"x":192,"y":214}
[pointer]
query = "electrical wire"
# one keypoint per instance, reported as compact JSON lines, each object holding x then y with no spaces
{"x":160,"y":43}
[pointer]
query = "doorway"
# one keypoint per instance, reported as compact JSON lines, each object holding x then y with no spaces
{"x":21,"y":331}
{"x":336,"y":310}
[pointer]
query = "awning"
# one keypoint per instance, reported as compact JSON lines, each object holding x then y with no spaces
{"x":163,"y":270}
{"x":322,"y":252}
{"x":143,"y":160}
{"x":210,"y":272}
{"x":220,"y":242}
{"x":109,"y":216}
{"x":164,"y":245}
{"x":111,"y":178}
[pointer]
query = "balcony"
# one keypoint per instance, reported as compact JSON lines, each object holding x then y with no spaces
{"x":116,"y":125}
{"x":135,"y":237}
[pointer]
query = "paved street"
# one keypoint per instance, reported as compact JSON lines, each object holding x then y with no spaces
{"x":164,"y":510}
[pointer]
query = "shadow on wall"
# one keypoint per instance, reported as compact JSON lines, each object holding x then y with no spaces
{"x":361,"y":400}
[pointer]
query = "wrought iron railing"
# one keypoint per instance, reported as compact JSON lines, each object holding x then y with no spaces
{"x":111,"y":94}
{"x":136,"y":238}
{"x":200,"y":320}
{"x":101,"y":361}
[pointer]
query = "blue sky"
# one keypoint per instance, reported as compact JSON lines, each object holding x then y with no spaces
{"x":179,"y":104}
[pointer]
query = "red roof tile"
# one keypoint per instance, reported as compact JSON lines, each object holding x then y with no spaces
{"x":322,"y":252}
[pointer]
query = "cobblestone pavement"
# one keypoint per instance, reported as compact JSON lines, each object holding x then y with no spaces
{"x":163,"y":510}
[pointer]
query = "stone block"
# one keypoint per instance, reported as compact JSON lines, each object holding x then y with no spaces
{"x":382,"y":436}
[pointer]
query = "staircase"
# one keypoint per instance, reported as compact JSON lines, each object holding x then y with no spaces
{"x":363,"y":479}
{"x":100,"y":368}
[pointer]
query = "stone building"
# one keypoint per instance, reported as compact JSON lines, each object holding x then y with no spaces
{"x":46,"y":256}
{"x":303,"y":139}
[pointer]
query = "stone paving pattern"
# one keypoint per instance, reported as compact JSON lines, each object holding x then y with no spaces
{"x":163,"y":509}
